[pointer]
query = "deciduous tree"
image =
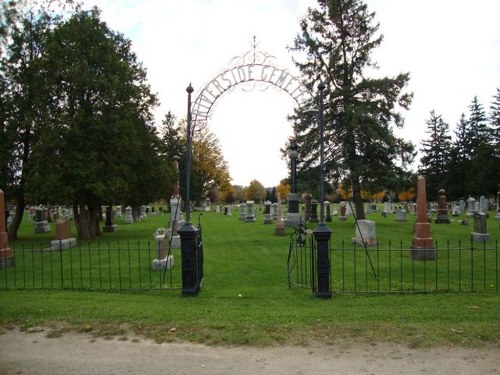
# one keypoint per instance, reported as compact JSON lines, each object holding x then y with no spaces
{"x":98,"y":144}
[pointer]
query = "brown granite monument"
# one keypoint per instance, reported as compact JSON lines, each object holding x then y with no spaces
{"x":422,"y":248}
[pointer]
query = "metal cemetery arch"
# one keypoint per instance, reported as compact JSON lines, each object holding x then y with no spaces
{"x":253,"y":69}
{"x":250,"y":70}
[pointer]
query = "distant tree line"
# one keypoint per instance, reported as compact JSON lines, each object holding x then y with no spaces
{"x":467,"y":162}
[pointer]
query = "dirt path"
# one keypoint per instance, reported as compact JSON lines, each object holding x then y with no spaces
{"x":34,"y":353}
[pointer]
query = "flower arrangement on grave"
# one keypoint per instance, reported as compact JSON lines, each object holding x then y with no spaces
{"x":160,"y":232}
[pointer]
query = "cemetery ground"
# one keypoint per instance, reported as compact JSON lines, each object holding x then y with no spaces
{"x":245,"y":300}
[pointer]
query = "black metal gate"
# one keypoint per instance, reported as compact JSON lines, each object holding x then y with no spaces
{"x":301,"y":258}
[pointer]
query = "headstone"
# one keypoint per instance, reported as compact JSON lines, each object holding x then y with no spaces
{"x":162,"y":260}
{"x":293,"y":214}
{"x":348,"y":208}
{"x":314,"y":212}
{"x":279,"y":230}
{"x":207,"y":204}
{"x":250,"y":215}
{"x":308,"y":208}
{"x":175,"y":214}
{"x":128,"y":215}
{"x":456,"y":210}
{"x":229,"y":211}
{"x":6,"y":256}
{"x":401,"y":215}
{"x":365,"y":233}
{"x":462,"y":204}
{"x":422,"y":248}
{"x":387,"y":208}
{"x":118,"y":211}
{"x":243,"y":213}
{"x":63,"y":238}
{"x":480,"y":233}
{"x":274,"y":211}
{"x":109,"y":225}
{"x":476,"y":206}
{"x":41,"y":223}
{"x":328,"y":218}
{"x":225,"y":210}
{"x":268,"y":218}
{"x":217,"y":209}
{"x":471,"y":206}
{"x":343,"y":210}
{"x":442,"y":211}
{"x":483,"y":204}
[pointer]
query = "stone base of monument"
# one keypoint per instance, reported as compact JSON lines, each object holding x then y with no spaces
{"x":62,"y":244}
{"x":480,"y":237}
{"x":280,"y":229}
{"x":292,"y":219}
{"x":162,"y":264}
{"x":342,"y":218}
{"x":42,"y":227}
{"x":497,"y":216}
{"x":442,"y":220}
{"x":6,"y":258}
{"x":268,"y":219}
{"x":420,"y":253}
{"x":367,"y":242}
{"x":250,"y":219}
{"x":110,"y":228}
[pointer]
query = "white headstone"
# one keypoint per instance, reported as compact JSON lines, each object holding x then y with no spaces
{"x":365,"y":233}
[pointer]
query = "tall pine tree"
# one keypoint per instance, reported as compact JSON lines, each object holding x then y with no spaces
{"x":495,"y":133}
{"x":436,"y":155}
{"x":336,"y":41}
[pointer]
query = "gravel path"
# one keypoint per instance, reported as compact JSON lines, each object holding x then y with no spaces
{"x":34,"y":353}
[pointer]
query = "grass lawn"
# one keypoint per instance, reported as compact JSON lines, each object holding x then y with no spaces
{"x":245,"y":298}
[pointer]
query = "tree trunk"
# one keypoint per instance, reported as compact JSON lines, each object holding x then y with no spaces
{"x":86,"y":221}
{"x":18,"y":216}
{"x":358,"y":200}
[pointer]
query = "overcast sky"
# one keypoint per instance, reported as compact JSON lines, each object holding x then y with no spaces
{"x":450,"y":47}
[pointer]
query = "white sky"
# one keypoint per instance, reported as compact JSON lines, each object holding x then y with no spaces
{"x":450,"y":47}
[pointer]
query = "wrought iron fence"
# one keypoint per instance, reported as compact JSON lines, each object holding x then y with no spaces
{"x":123,"y":266}
{"x":463,"y":267}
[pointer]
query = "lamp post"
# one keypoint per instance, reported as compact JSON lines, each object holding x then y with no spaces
{"x":293,"y":154}
{"x":188,"y":154}
{"x":321,"y":87}
{"x":293,"y":216}
{"x":191,"y":254}
{"x":322,"y":233}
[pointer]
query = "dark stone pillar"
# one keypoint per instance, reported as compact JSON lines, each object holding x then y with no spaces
{"x":322,"y":236}
{"x":191,"y":279}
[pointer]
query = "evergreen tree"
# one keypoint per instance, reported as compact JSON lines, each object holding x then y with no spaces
{"x":171,"y":136}
{"x":98,"y":145}
{"x":436,"y":155}
{"x":337,"y":40}
{"x":482,"y":167}
{"x":495,"y":134}
{"x":459,"y":163}
{"x":24,"y":30}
